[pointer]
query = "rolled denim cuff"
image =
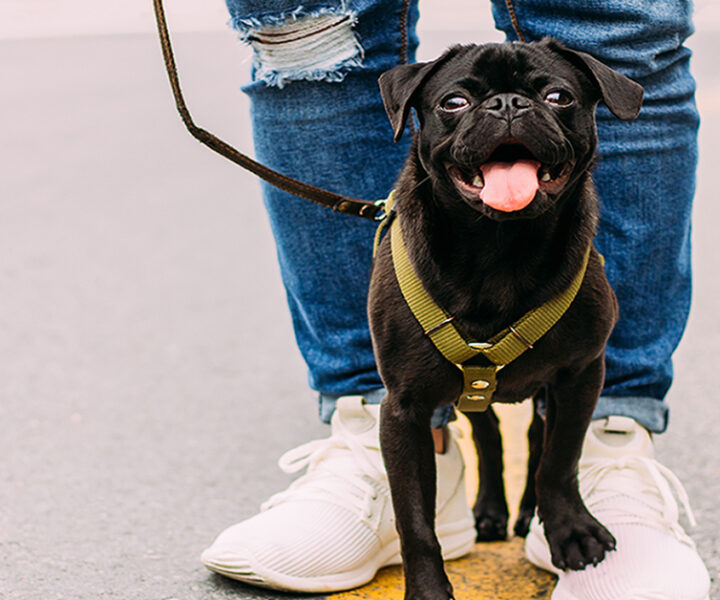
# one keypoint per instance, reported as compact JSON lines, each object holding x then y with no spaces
{"x":326,"y":407}
{"x":651,"y":413}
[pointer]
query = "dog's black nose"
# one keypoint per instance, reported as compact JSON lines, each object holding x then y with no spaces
{"x":506,"y":106}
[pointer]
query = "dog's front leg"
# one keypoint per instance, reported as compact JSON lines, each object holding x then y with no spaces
{"x":407,"y":449}
{"x":575,"y":537}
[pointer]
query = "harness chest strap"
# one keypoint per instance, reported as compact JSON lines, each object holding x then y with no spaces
{"x":479,"y":382}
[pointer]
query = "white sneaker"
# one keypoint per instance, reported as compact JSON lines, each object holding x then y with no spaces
{"x":630,"y":493}
{"x":334,"y":527}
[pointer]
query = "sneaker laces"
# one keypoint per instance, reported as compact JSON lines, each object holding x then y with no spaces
{"x":651,"y":486}
{"x":340,"y":469}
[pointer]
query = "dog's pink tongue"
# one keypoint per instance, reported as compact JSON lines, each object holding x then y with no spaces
{"x":509,"y":186}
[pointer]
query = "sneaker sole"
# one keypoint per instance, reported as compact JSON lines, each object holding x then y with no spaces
{"x":563,"y":595}
{"x":456,"y":539}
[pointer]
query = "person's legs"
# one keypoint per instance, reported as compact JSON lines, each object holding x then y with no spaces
{"x":645,"y":178}
{"x":318,"y":117}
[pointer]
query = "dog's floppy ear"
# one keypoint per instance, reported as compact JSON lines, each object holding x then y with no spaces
{"x":398,"y":87}
{"x":622,"y":95}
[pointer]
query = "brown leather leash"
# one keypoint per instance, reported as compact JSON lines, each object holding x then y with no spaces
{"x":343,"y":204}
{"x":514,"y":20}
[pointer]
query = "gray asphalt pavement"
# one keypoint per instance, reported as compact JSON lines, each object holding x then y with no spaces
{"x":148,"y":376}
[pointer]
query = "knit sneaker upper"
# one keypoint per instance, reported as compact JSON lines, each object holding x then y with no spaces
{"x":634,"y":496}
{"x":333,"y":527}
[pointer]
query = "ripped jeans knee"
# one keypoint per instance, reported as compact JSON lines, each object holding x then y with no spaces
{"x":323,"y":41}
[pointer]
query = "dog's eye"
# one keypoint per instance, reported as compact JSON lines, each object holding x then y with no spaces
{"x":559,"y":98}
{"x":454,"y":103}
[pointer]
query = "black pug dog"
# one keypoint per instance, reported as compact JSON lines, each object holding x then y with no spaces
{"x":497,"y":211}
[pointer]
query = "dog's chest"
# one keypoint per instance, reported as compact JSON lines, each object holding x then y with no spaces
{"x":481,"y":360}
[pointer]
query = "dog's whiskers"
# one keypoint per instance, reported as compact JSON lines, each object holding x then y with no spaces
{"x":419,"y":183}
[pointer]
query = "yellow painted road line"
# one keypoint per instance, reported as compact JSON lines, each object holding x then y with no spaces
{"x":498,"y":570}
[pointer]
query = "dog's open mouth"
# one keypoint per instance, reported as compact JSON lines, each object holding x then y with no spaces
{"x":509,"y":180}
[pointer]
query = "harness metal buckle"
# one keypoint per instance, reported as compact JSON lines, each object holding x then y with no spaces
{"x":519,"y":336}
{"x":439,"y":326}
{"x":480,"y":345}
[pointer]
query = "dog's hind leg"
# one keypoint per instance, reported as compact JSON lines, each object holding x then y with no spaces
{"x":535,"y":435}
{"x":490,"y":510}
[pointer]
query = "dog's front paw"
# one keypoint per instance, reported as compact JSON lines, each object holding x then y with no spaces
{"x":578,"y":542}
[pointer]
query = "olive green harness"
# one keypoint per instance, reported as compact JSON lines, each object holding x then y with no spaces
{"x":479,"y":382}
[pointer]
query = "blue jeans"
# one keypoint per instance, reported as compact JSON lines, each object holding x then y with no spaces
{"x":317,"y":116}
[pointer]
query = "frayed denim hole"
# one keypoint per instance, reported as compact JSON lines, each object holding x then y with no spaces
{"x":318,"y":47}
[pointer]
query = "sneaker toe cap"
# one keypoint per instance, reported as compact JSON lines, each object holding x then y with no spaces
{"x":235,"y":562}
{"x":647,"y":564}
{"x":323,"y":539}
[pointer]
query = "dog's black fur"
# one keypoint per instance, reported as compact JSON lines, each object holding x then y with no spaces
{"x":488,"y":267}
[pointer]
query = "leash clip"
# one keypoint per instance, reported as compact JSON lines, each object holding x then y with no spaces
{"x":382,"y":213}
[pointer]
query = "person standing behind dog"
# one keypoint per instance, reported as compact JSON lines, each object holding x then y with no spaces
{"x":315,"y":78}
